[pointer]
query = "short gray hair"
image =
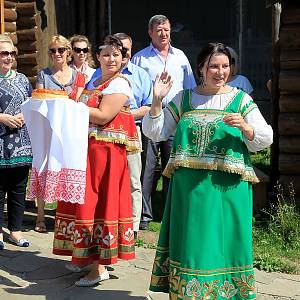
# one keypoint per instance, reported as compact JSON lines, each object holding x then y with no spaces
{"x":157,"y":19}
{"x":6,"y":39}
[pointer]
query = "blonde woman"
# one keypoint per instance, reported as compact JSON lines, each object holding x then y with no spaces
{"x":58,"y":77}
{"x":82,"y":60}
{"x":15,"y":149}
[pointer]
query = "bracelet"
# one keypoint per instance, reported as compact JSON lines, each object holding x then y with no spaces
{"x":154,"y":117}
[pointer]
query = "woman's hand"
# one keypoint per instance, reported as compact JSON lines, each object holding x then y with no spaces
{"x":236,"y":120}
{"x":12,"y":121}
{"x":162,"y":86}
{"x":20,"y":117}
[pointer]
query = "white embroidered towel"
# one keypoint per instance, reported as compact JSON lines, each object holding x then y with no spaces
{"x":58,"y":130}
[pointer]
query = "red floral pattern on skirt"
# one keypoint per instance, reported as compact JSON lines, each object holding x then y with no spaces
{"x":100,"y":229}
{"x":65,"y":185}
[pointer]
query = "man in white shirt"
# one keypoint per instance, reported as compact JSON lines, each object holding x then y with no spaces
{"x":160,"y":56}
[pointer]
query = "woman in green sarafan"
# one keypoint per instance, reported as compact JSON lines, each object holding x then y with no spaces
{"x":205,"y":245}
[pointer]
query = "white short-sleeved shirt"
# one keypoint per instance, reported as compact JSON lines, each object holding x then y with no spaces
{"x":119,"y":85}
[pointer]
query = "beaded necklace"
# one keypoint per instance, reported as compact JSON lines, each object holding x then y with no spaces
{"x":6,"y":75}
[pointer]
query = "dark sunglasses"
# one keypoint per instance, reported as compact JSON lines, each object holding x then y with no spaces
{"x":78,"y":50}
{"x":59,"y":50}
{"x":6,"y":53}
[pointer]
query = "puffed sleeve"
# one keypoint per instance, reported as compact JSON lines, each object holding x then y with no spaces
{"x":119,"y":85}
{"x":160,"y":128}
{"x":263,"y":133}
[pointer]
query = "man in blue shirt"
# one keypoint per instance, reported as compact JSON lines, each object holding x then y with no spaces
{"x":141,"y":85}
{"x":160,"y":56}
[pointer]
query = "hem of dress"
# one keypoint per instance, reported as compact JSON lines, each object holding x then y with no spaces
{"x":245,"y":175}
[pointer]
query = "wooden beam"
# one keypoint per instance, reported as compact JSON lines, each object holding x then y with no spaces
{"x":289,"y":144}
{"x":9,"y":4}
{"x":26,"y":22}
{"x":28,"y":34}
{"x":28,"y":59}
{"x":10,"y":15}
{"x":289,"y":82}
{"x":1,"y":16}
{"x":10,"y":26}
{"x":276,"y":14}
{"x":289,"y":164}
{"x":289,"y":124}
{"x":27,"y":46}
{"x":289,"y":103}
{"x":26,"y":9}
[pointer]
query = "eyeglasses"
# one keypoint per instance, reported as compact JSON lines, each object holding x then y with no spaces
{"x":59,"y":50}
{"x":6,"y":53}
{"x":78,"y":50}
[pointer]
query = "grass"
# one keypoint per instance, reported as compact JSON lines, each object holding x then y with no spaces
{"x":262,"y":160}
{"x":276,"y":235}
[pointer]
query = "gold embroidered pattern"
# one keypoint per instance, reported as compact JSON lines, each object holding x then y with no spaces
{"x":187,"y":283}
{"x":246,"y":285}
{"x":201,"y":144}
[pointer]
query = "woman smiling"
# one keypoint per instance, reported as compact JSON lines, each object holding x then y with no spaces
{"x":58,"y":77}
{"x":205,"y":245}
{"x":100,"y":231}
{"x":15,"y":148}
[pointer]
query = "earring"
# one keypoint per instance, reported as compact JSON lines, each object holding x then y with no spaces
{"x":201,"y":80}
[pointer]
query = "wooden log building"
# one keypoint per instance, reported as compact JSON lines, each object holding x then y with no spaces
{"x":286,"y":94}
{"x":21,"y":21}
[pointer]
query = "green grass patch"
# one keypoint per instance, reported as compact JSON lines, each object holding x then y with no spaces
{"x":276,"y":236}
{"x":154,"y":226}
{"x":51,"y":206}
{"x":262,"y":160}
{"x":272,"y":255}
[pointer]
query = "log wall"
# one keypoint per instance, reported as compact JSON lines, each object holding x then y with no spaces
{"x":29,"y":36}
{"x":22,"y":23}
{"x":9,"y":18}
{"x":289,"y":96}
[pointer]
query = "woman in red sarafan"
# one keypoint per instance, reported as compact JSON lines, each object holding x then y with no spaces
{"x":100,"y":231}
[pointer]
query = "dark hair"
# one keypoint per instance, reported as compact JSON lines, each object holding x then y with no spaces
{"x":208,"y":51}
{"x":123,"y":36}
{"x":112,"y":41}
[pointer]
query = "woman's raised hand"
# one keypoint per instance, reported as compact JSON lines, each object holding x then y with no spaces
{"x":162,"y":86}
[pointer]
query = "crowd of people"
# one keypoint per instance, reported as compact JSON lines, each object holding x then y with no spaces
{"x":137,"y":109}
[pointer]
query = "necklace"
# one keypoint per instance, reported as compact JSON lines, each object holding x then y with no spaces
{"x":6,"y":75}
{"x":63,"y":77}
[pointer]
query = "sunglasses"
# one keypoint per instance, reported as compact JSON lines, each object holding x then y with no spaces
{"x":6,"y":53}
{"x":59,"y":50}
{"x":78,"y":50}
